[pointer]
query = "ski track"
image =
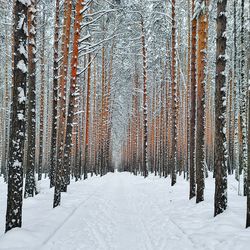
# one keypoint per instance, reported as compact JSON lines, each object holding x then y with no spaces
{"x":166,"y":219}
{"x":125,"y":212}
{"x":68,"y":217}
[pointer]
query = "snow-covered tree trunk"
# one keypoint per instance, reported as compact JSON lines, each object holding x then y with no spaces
{"x":94,"y":143}
{"x":30,"y":186}
{"x":61,"y":171}
{"x":6,"y":105}
{"x":145,"y":111}
{"x":55,"y":96}
{"x":42,"y":106}
{"x":109,"y":108}
{"x":73,"y":86}
{"x":220,"y":200}
{"x":243,"y":101}
{"x":201,"y":79}
{"x":193,"y":106}
{"x":102,"y":119}
{"x":248,"y":164}
{"x":17,"y":133}
{"x":173,"y":156}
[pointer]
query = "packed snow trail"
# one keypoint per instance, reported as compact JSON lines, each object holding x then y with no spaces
{"x":117,"y":216}
{"x":125,"y":212}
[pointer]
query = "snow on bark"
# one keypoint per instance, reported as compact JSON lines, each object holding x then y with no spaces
{"x":17,"y":136}
{"x":220,"y":201}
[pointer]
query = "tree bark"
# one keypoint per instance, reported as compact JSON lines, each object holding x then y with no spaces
{"x":173,"y":156}
{"x":220,"y":199}
{"x":17,"y":133}
{"x":145,"y":106}
{"x":53,"y":154}
{"x":193,"y":107}
{"x":61,"y":171}
{"x":201,"y":78}
{"x":30,"y":186}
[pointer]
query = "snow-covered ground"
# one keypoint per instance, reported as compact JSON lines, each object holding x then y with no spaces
{"x":124,"y":212}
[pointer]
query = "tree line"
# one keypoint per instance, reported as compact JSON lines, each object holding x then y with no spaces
{"x":58,"y":107}
{"x":196,"y":120}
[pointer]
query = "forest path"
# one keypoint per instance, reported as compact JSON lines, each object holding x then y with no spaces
{"x":121,"y":211}
{"x":122,"y":214}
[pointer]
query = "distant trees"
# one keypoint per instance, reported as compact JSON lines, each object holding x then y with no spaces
{"x":201,"y":104}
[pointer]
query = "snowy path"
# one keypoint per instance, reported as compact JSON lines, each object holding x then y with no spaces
{"x":124,"y":212}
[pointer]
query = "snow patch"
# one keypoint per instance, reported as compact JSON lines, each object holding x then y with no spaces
{"x":22,"y":66}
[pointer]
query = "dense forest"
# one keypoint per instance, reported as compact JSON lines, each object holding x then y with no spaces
{"x":152,"y":87}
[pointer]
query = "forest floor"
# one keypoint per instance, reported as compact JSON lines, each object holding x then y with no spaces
{"x":123,"y":212}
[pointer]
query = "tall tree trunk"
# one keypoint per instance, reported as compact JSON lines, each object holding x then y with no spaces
{"x":145,"y":106}
{"x":94,"y":125}
{"x":231,"y":121}
{"x":53,"y":151}
{"x":61,"y":171}
{"x":86,"y":155}
{"x":248,"y":166}
{"x":243,"y":101}
{"x":102,"y":121}
{"x":220,"y":200}
{"x":6,"y":127}
{"x":193,"y":107}
{"x":188,"y":92}
{"x":73,"y":86}
{"x":42,"y":88}
{"x":201,"y":78}
{"x":109,"y":107}
{"x":30,"y":186}
{"x":17,"y":133}
{"x":173,"y":157}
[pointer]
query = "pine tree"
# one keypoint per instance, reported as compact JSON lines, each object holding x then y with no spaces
{"x":73,"y":86}
{"x":248,"y":164}
{"x":55,"y":96}
{"x":42,"y":103}
{"x":201,"y":78}
{"x":61,"y":171}
{"x":173,"y":156}
{"x":220,"y":200}
{"x":193,"y":106}
{"x":30,"y":186}
{"x":145,"y":107}
{"x":17,"y":133}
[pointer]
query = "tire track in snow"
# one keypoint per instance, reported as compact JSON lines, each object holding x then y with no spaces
{"x":129,"y":231}
{"x":103,"y":224}
{"x":168,"y":219}
{"x":149,"y":243}
{"x":72,"y":213}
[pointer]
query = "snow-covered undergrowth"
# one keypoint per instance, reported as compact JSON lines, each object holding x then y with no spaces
{"x":121,"y":211}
